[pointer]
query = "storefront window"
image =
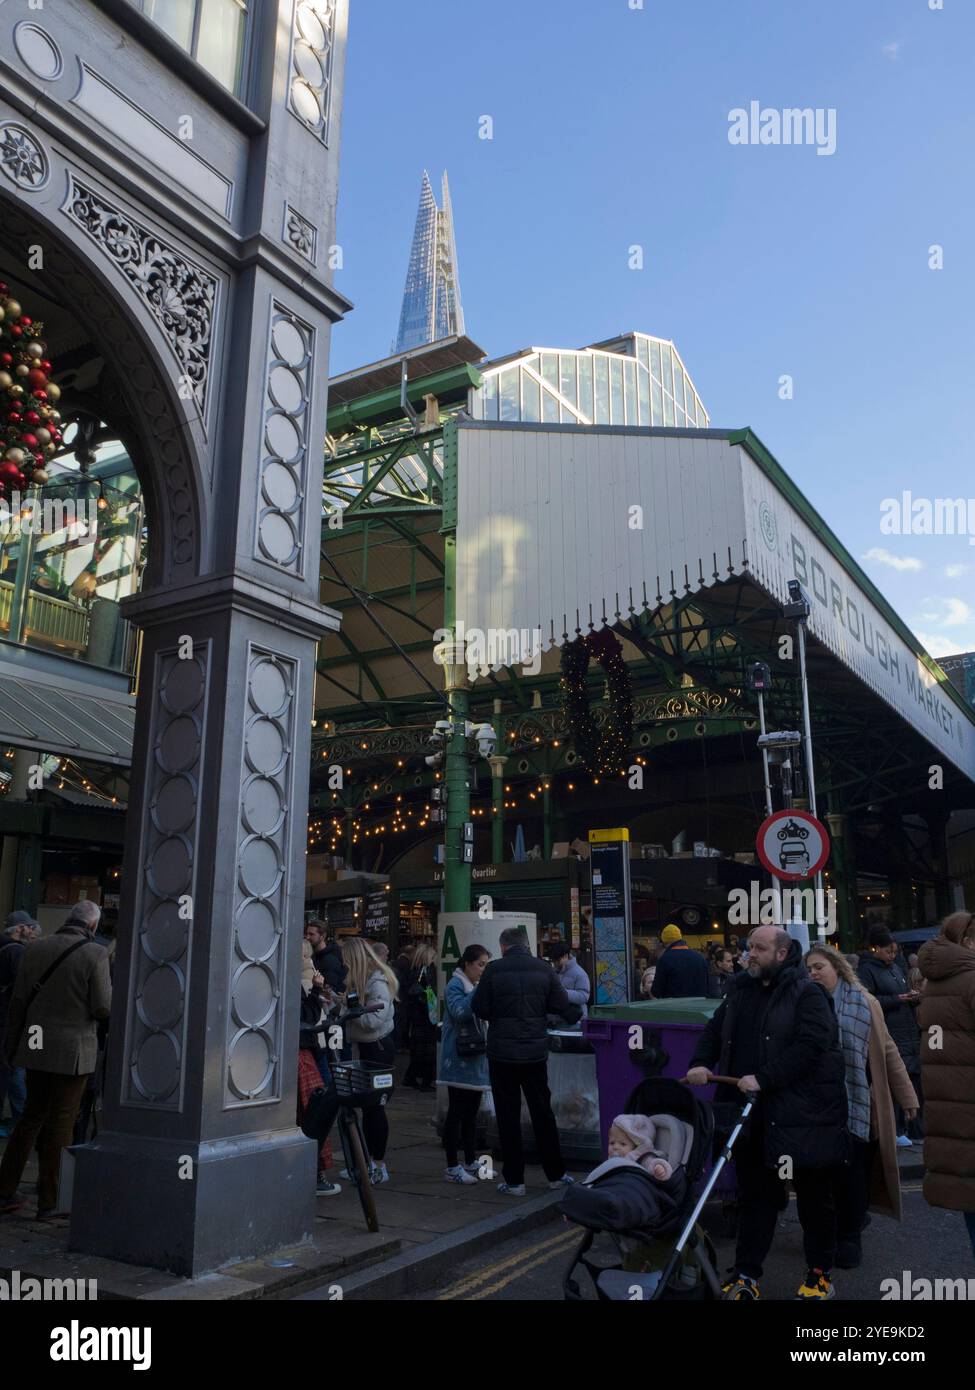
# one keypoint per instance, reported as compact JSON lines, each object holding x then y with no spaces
{"x":211,"y":31}
{"x":585,"y":386}
{"x":602,"y":391}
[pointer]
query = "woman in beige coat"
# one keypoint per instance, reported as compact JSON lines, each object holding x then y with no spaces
{"x":871,"y":1179}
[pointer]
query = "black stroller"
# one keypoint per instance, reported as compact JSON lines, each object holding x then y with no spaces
{"x":648,"y":1265}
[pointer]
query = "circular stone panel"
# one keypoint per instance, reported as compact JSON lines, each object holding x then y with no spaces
{"x":306,"y":102}
{"x":265,"y":746}
{"x":257,"y":934}
{"x":253,"y":996}
{"x":280,"y":487}
{"x":278,"y":538}
{"x":289,"y":342}
{"x":165,"y":934}
{"x":269,"y":688}
{"x":309,"y":65}
{"x":250,"y":1063}
{"x":263,"y":807}
{"x":259,"y":868}
{"x":286,"y":390}
{"x":175,"y":805}
{"x":283,"y":437}
{"x":311,"y":27}
{"x":161,"y":998}
{"x":39,"y":53}
{"x":183,"y":687}
{"x":179,"y":746}
{"x":156,"y":1066}
{"x":168,"y":870}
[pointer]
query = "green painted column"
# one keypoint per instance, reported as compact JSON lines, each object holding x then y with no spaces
{"x":547,"y":821}
{"x":27,"y":879}
{"x":843,"y":875}
{"x":457,"y":874}
{"x":937,"y":822}
{"x":497,"y":807}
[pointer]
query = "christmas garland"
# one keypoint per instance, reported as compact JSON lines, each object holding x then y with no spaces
{"x":606,"y":752}
{"x":30,"y":424}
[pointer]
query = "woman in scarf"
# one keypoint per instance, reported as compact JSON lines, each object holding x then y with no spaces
{"x":875,"y":1078}
{"x":463,"y":1070}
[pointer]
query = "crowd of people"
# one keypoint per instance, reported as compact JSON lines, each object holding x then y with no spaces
{"x":844,"y":1058}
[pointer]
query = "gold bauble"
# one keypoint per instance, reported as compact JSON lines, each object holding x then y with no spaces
{"x":43,"y":435}
{"x":13,"y":308}
{"x":35,"y":349}
{"x":41,"y":475}
{"x":53,"y":391}
{"x":50,"y":450}
{"x":17,"y":391}
{"x":16,"y":455}
{"x":6,"y":381}
{"x":2,"y":315}
{"x":22,"y":369}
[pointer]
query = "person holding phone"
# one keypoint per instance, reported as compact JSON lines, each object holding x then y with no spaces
{"x":881,"y":971}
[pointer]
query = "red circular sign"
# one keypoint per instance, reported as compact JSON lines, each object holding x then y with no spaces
{"x":793,"y":845}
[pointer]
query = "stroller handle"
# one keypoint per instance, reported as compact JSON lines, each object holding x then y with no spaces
{"x":716,"y":1080}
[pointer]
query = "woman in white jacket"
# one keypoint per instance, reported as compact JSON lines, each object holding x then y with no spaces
{"x":371,"y":1036}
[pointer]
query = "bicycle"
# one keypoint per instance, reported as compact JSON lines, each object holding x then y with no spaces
{"x":359,"y":1084}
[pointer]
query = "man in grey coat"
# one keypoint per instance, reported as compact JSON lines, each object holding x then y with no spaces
{"x":62,"y":991}
{"x":572,"y":977}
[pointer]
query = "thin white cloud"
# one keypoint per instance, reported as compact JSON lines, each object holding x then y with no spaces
{"x":892,"y":51}
{"x":956,"y":571}
{"x":895,"y":562}
{"x":958,"y":612}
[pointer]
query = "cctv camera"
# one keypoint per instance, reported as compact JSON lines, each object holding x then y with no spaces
{"x":487,"y":740}
{"x":798,"y":605}
{"x":434,"y":760}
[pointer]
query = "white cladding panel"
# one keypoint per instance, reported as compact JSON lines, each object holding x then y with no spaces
{"x":564,"y":521}
{"x":781,"y":546}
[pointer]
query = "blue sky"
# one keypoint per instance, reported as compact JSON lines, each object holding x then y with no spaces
{"x":610,"y":130}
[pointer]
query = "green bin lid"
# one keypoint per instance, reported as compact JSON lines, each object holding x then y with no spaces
{"x":692,"y":1010}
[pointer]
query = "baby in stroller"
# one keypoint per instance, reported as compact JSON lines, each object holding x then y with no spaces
{"x":639,"y":1199}
{"x":634,"y":1137}
{"x":617,"y":1195}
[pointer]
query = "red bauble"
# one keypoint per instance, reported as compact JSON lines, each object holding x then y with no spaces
{"x":16,"y":331}
{"x":45,"y":365}
{"x":29,"y":441}
{"x":10,"y":473}
{"x":40,"y":395}
{"x":36,"y":377}
{"x":15,"y":419}
{"x":25,"y":320}
{"x":32,"y":417}
{"x":6,"y":359}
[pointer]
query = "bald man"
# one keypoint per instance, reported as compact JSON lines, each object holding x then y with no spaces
{"x":777,"y":1033}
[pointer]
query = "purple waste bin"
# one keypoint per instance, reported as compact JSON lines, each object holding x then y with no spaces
{"x":611,"y":1029}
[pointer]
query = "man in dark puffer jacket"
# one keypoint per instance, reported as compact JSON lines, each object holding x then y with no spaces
{"x":515,"y":996}
{"x":776,"y":1031}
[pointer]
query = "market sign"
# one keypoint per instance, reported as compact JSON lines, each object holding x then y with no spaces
{"x":377,"y":914}
{"x":782,"y":546}
{"x":612,"y":916}
{"x":793,"y":845}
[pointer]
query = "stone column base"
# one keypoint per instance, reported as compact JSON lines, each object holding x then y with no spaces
{"x":238,"y":1198}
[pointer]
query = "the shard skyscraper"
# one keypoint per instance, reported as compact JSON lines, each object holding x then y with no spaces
{"x":431,"y":300}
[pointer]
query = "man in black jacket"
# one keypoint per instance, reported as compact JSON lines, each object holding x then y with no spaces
{"x":681,"y":973}
{"x":515,"y":996}
{"x":776,"y":1031}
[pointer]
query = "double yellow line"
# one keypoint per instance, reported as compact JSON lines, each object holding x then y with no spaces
{"x":504,"y":1272}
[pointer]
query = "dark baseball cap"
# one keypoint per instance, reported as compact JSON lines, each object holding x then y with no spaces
{"x":20,"y":918}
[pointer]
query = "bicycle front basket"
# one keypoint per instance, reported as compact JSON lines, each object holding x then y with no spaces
{"x":362,"y":1083}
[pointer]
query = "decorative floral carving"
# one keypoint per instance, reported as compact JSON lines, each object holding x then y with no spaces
{"x":22,"y":157}
{"x":300,"y":233}
{"x":180,"y":295}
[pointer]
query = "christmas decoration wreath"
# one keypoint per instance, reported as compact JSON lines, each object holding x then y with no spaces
{"x":30,"y":424}
{"x":604,"y":752}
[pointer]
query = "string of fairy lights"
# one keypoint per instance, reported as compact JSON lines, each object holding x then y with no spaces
{"x":68,"y":775}
{"x":391,"y":813}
